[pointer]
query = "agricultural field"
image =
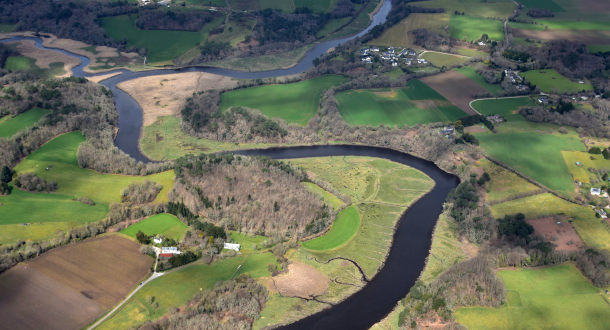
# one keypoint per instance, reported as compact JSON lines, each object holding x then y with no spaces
{"x":456,"y":87}
{"x":505,"y":185}
{"x":553,"y":297}
{"x":328,"y":197}
{"x":176,"y":288}
{"x":442,"y":59}
{"x":415,"y":104}
{"x":59,"y":157}
{"x":505,"y":107}
{"x":535,"y":154}
{"x":471,"y":73}
{"x":342,"y":231}
{"x":20,"y":63}
{"x":590,"y":229}
{"x":320,"y":6}
{"x":71,"y":285}
{"x":249,"y":243}
{"x":294,"y":102}
{"x":162,"y":45}
{"x":400,"y":34}
{"x":550,"y":81}
{"x":13,"y":125}
{"x":589,"y":162}
{"x":163,"y":224}
{"x":472,"y":28}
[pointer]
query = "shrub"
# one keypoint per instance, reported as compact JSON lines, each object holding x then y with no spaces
{"x":32,"y":182}
{"x":140,"y":193}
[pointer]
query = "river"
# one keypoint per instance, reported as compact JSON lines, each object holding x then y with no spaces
{"x":413,"y":234}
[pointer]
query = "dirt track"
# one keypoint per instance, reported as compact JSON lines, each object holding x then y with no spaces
{"x":456,"y":88}
{"x":69,"y":287}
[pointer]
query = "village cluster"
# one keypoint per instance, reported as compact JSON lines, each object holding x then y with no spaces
{"x":392,"y":55}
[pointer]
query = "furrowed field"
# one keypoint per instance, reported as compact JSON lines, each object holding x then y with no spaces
{"x":556,"y":297}
{"x":163,"y":224}
{"x":294,"y":102}
{"x":11,"y":126}
{"x":415,"y":104}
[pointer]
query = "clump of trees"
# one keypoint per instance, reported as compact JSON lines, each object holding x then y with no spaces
{"x":6,"y":176}
{"x":32,"y":182}
{"x":141,"y":192}
{"x":474,"y":220}
{"x":539,"y":12}
{"x":255,"y":195}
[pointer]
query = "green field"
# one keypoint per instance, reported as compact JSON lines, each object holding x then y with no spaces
{"x":592,"y":231}
{"x":415,"y":104}
{"x":342,"y":231}
{"x":59,"y":156}
{"x":247,"y":242}
{"x":592,"y":166}
{"x":327,"y":196}
{"x":550,"y":81}
{"x":35,"y":232}
{"x":162,"y":224}
{"x":20,"y":63}
{"x":556,"y":297}
{"x":535,"y":154}
{"x":470,"y":72}
{"x":506,"y":107}
{"x":294,"y":102}
{"x":22,"y":121}
{"x":442,"y":59}
{"x":162,"y":45}
{"x":545,"y":4}
{"x":504,"y":184}
{"x":472,"y":28}
{"x":475,"y":8}
{"x":174,"y":289}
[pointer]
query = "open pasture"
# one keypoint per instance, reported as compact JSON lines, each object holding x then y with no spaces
{"x":328,"y":197}
{"x":474,"y":8}
{"x":400,"y":35}
{"x":20,"y":63}
{"x":13,"y":125}
{"x":176,"y":288}
{"x":293,"y":102}
{"x":550,"y":81}
{"x":456,"y":87}
{"x":505,"y":185}
{"x":56,"y":161}
{"x":415,"y":104}
{"x":71,"y":286}
{"x":472,"y":28}
{"x":166,"y":225}
{"x":588,"y":162}
{"x":557,"y":297}
{"x":505,"y":107}
{"x":471,"y":73}
{"x":535,"y":154}
{"x":343,"y":229}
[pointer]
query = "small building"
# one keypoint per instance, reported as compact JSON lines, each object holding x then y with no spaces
{"x":578,"y":164}
{"x":158,"y":240}
{"x":543,"y":100}
{"x":232,"y":246}
{"x":596,"y":191}
{"x":169,"y":251}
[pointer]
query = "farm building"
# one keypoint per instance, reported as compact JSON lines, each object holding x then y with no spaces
{"x":232,"y":246}
{"x":168,"y":251}
{"x":596,"y":191}
{"x":158,"y":240}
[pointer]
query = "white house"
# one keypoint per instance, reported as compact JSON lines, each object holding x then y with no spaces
{"x":596,"y":191}
{"x":232,"y":246}
{"x":158,"y":240}
{"x":170,"y":250}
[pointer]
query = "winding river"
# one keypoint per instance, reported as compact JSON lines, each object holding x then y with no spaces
{"x":413,"y":234}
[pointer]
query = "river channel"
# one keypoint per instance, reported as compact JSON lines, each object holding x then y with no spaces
{"x":413,"y":234}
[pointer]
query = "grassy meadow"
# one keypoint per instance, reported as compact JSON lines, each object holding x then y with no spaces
{"x":506,"y":107}
{"x":472,"y":28}
{"x":166,"y":225}
{"x":550,"y":81}
{"x":504,"y":184}
{"x":588,"y":161}
{"x":59,"y":156}
{"x":162,"y":45}
{"x":20,"y":63}
{"x":328,"y":197}
{"x":293,"y":102}
{"x":557,"y":297}
{"x":342,"y":231}
{"x":442,"y":59}
{"x":13,"y":125}
{"x":247,"y":242}
{"x":470,"y":72}
{"x":415,"y":104}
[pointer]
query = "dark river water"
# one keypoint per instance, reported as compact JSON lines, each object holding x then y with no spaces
{"x":413,"y":234}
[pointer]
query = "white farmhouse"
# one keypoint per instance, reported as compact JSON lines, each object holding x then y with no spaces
{"x":232,"y":246}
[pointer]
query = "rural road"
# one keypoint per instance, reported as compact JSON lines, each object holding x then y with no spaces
{"x":493,"y":98}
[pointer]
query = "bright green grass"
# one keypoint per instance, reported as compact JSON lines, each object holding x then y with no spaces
{"x":588,"y":161}
{"x":395,"y":107}
{"x":550,"y":81}
{"x":504,"y":184}
{"x":162,"y":45}
{"x":556,"y":297}
{"x":20,"y":63}
{"x":440,"y":59}
{"x":327,"y":196}
{"x":247,"y":242}
{"x":26,"y":207}
{"x":534,"y":154}
{"x":343,"y":229}
{"x":472,"y":28}
{"x":163,"y":224}
{"x":589,"y":228}
{"x":165,"y":140}
{"x":545,"y":4}
{"x":471,"y":73}
{"x":475,"y":8}
{"x":36,"y":232}
{"x":506,"y":107}
{"x":294,"y":102}
{"x":22,"y":121}
{"x":176,"y":288}
{"x":283,"y":5}
{"x":59,"y":155}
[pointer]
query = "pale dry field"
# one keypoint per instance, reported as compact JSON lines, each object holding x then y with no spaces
{"x":301,"y":280}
